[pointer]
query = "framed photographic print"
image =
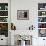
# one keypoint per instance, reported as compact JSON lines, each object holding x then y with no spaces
{"x":22,"y":14}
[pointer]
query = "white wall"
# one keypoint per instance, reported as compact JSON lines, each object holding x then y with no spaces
{"x":24,"y":5}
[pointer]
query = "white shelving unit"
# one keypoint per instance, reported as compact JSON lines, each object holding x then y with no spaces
{"x":42,"y":18}
{"x":4,"y":23}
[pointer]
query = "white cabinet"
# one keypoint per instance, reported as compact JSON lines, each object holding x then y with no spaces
{"x":41,"y":41}
{"x":3,"y":40}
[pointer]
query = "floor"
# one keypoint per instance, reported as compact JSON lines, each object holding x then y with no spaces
{"x":3,"y":45}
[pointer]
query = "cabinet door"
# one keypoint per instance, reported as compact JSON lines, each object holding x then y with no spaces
{"x":41,"y":42}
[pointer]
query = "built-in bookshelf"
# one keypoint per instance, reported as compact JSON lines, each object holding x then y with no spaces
{"x":42,"y":19}
{"x":4,"y":19}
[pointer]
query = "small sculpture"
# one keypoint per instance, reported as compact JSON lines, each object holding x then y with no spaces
{"x":13,"y":27}
{"x":31,"y":27}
